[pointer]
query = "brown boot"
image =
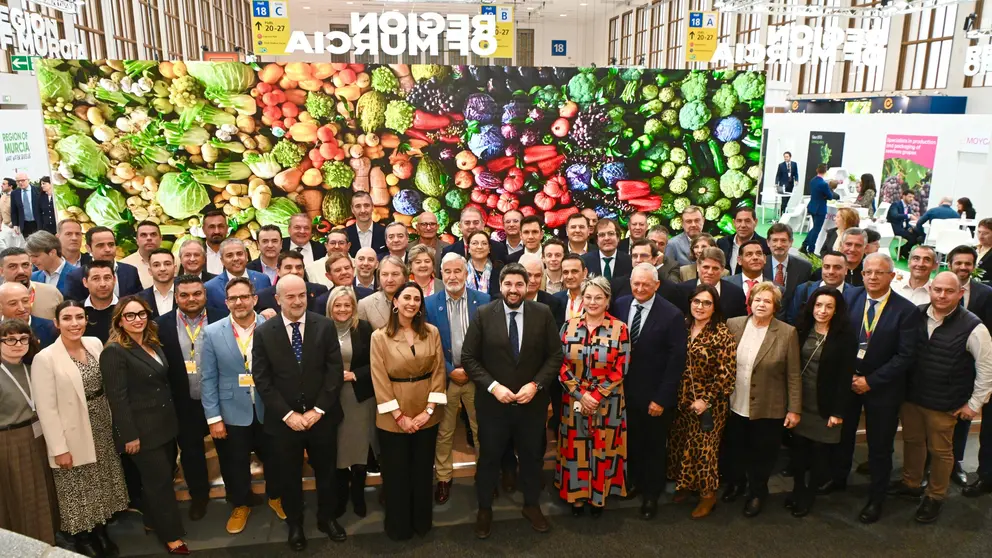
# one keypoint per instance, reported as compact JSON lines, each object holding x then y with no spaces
{"x":707,"y":501}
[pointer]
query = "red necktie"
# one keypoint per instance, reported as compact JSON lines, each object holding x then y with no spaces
{"x":780,"y":275}
{"x":750,"y":285}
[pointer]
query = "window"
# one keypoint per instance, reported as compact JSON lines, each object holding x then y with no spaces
{"x":613,"y":44}
{"x":173,"y":29}
{"x":816,"y":76}
{"x":861,"y":78}
{"x":124,"y":32}
{"x":675,"y":51}
{"x":626,"y":38}
{"x":781,"y":23}
{"x":192,"y":30}
{"x":980,"y":80}
{"x":723,"y":36}
{"x":89,"y":23}
{"x":151,"y":28}
{"x":346,"y":57}
{"x":642,"y":35}
{"x":657,"y":48}
{"x":525,"y":47}
{"x":207,"y":33}
{"x":242,"y":24}
{"x":748,"y":28}
{"x":925,"y":55}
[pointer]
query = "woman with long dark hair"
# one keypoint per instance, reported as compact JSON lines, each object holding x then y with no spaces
{"x":409,"y":379}
{"x":135,"y":376}
{"x":965,"y":208}
{"x":867,"y":192}
{"x":829,"y":352}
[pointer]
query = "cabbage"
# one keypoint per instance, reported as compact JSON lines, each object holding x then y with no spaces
{"x":106,"y":208}
{"x":180,"y":196}
{"x":233,"y":77}
{"x":278,"y":214}
{"x":83,"y":155}
{"x":53,"y":83}
{"x":65,"y":197}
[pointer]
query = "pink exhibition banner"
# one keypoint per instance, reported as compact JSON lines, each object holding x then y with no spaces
{"x":908,"y":163}
{"x":919,"y":149}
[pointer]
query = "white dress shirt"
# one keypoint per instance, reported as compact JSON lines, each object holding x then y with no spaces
{"x":919,"y":295}
{"x":164,"y":302}
{"x":644,"y":313}
{"x":520,"y":331}
{"x":839,"y":289}
{"x":514,"y":249}
{"x":980,"y":346}
{"x":364,"y":237}
{"x":967,"y":293}
{"x":735,"y":249}
{"x":747,"y":352}
{"x":214,"y":263}
{"x":89,"y":302}
{"x":306,"y":251}
{"x":53,"y":278}
{"x":613,"y":263}
{"x":744,"y":285}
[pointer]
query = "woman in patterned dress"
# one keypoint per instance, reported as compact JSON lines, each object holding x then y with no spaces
{"x":592,"y":438}
{"x":711,"y":364}
{"x":75,"y":417}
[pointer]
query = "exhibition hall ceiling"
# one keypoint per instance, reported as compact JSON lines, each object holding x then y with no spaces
{"x":536,"y":11}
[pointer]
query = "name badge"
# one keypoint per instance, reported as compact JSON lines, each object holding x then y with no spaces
{"x":862,"y":349}
{"x":246,"y":380}
{"x":36,"y":428}
{"x":191,"y":367}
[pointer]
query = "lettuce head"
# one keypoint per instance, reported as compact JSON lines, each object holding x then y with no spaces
{"x":84,"y":156}
{"x":278,"y":213}
{"x":233,"y":77}
{"x":65,"y":197}
{"x":181,"y":196}
{"x":106,"y":208}
{"x":52,"y":82}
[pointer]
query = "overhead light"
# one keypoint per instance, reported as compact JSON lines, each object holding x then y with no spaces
{"x":583,"y":4}
{"x":530,"y":9}
{"x":306,"y":7}
{"x":562,"y":15}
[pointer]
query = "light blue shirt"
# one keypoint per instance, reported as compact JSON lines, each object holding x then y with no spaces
{"x":644,"y":313}
{"x":53,"y":278}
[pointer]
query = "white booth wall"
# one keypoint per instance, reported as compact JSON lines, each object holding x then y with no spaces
{"x":960,"y":169}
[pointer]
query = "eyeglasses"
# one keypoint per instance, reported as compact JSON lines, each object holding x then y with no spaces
{"x":239,"y":298}
{"x":132,"y":316}
{"x":702,"y":303}
{"x":12,"y":341}
{"x":427,"y":225}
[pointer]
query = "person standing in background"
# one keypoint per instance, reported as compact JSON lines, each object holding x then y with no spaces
{"x":99,"y":281}
{"x":47,"y":208}
{"x":8,"y":187}
{"x":300,"y":239}
{"x":149,"y":238}
{"x":679,"y":247}
{"x":336,"y":242}
{"x":193,"y":260}
{"x":45,"y":252}
{"x":25,"y":206}
{"x":269,"y":246}
{"x":819,"y":193}
{"x":577,"y":229}
{"x":161,"y":296}
{"x":511,"y":226}
{"x":16,"y":266}
{"x":426,"y":226}
{"x":70,"y":235}
{"x":215,"y":230}
{"x":785,"y":178}
{"x":364,"y":233}
{"x":553,"y":253}
{"x":637,"y":228}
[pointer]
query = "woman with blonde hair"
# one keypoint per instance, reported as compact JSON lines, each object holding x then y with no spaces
{"x":846,"y":218}
{"x":422,"y":260}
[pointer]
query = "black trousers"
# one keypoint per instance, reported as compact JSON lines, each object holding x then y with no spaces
{"x":407,"y":463}
{"x":321,"y":445}
{"x":808,"y":457}
{"x":161,"y":512}
{"x":647,"y":449}
{"x":881,"y":423}
{"x":499,"y":425}
{"x":29,"y":227}
{"x":752,"y":447}
{"x":192,"y":451}
{"x":132,"y":479}
{"x":234,"y":453}
{"x":961,"y":431}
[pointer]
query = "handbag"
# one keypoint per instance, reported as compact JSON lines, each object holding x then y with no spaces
{"x":706,"y":423}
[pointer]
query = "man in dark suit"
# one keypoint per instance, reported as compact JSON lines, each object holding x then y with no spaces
{"x":300,"y":238}
{"x":364,"y":233}
{"x":270,"y":245}
{"x":745,"y":220}
{"x":645,"y":251}
{"x":341,"y":273}
{"x":607,"y":261}
{"x":291,"y":263}
{"x":853,"y":242}
{"x":102,"y":245}
{"x":786,"y":271}
{"x":983,"y":234}
{"x":512,"y":352}
{"x":657,"y":359}
{"x":887,"y":324}
{"x":831,"y":272}
{"x":181,"y":334}
{"x":531,"y":234}
{"x":234,"y":256}
{"x":303,"y":403}
{"x":733,"y":303}
{"x":193,"y":260}
{"x":819,"y":193}
{"x":99,"y":281}
{"x":900,"y":212}
{"x":470,"y":221}
{"x":753,"y":264}
{"x":25,"y":206}
{"x":637,"y":228}
{"x":48,"y":215}
{"x":15,"y":303}
{"x":161,"y":296}
{"x":70,"y":235}
{"x":785,"y":177}
{"x":579,"y":237}
{"x":573,"y":273}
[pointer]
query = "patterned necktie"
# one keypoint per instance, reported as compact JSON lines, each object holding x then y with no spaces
{"x":780,"y":275}
{"x":871,"y":319}
{"x":750,"y":285}
{"x":297,"y":342}
{"x":635,"y":324}
{"x":514,"y":335}
{"x":607,"y":272}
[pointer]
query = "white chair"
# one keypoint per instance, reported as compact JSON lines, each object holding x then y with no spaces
{"x":937,"y":227}
{"x":862,"y":212}
{"x":881,"y":214}
{"x":885,"y":231}
{"x":795,"y":217}
{"x":951,"y":239}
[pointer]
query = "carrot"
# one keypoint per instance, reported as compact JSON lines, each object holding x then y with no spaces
{"x":427,"y":121}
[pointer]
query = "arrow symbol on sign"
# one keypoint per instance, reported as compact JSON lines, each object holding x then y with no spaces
{"x":692,"y":34}
{"x":258,"y":25}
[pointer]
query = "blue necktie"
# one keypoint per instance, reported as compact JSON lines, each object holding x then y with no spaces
{"x":297,"y":342}
{"x":514,"y":335}
{"x":28,"y":210}
{"x":635,"y":324}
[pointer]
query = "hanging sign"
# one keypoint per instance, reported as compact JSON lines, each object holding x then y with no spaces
{"x":504,"y":29}
{"x":700,"y":36}
{"x":270,"y":27}
{"x":32,"y":34}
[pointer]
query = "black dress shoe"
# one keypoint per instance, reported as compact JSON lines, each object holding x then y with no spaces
{"x":110,"y":549}
{"x":333,"y":530}
{"x":297,"y":540}
{"x":753,"y":507}
{"x":958,"y":475}
{"x":978,"y":488}
{"x":800,"y":509}
{"x":84,"y":543}
{"x":870,"y":513}
{"x":790,"y":502}
{"x":899,"y":488}
{"x":198,"y":508}
{"x":649,"y":509}
{"x":928,"y":511}
{"x":732,"y":492}
{"x":596,"y":512}
{"x":830,"y":487}
{"x":578,"y":511}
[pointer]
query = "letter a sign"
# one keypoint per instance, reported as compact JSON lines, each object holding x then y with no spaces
{"x":700,"y":36}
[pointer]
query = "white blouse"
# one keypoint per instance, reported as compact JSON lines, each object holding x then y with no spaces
{"x":747,"y":351}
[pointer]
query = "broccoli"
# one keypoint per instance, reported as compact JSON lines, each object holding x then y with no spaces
{"x":670,"y":117}
{"x":320,"y":106}
{"x":694,"y":86}
{"x":754,"y":172}
{"x":667,"y":94}
{"x":711,"y":213}
{"x":724,"y":100}
{"x":736,"y":162}
{"x":423,"y":72}
{"x":701,"y":134}
{"x":735,"y":184}
{"x":399,"y":116}
{"x":657,"y":184}
{"x":723,"y":204}
{"x":651,"y":107}
{"x":683,"y":172}
{"x":694,"y":115}
{"x":678,"y":186}
{"x":653,"y":127}
{"x":287,"y":153}
{"x":658,"y":152}
{"x":371,"y":110}
{"x":750,"y":85}
{"x":649,"y":92}
{"x":548,"y":97}
{"x":729,"y":129}
{"x":337,"y":174}
{"x":678,"y":155}
{"x":384,"y":80}
{"x":582,"y":87}
{"x":668,"y":169}
{"x":731,"y":148}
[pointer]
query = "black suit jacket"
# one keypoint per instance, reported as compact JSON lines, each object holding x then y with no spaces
{"x":267,"y":298}
{"x":318,"y":249}
{"x":797,"y":272}
{"x":668,"y":290}
{"x":853,"y":276}
{"x":733,"y":303}
{"x":985,"y":264}
{"x":838,"y":359}
{"x":127,"y":282}
{"x":782,"y":177}
{"x":557,"y":308}
{"x":622,"y":265}
{"x":48,"y":216}
{"x":149,"y":297}
{"x":980,"y":302}
{"x":189,"y":410}
{"x":378,"y":239}
{"x":361,"y":344}
{"x":657,"y":359}
{"x":487,"y":356}
{"x":17,"y":218}
{"x":726,"y":244}
{"x":497,"y":252}
{"x":140,"y":400}
{"x":206,"y":275}
{"x":286,"y":385}
{"x":320,"y":305}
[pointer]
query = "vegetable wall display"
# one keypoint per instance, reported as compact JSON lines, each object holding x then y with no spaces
{"x":166,"y":141}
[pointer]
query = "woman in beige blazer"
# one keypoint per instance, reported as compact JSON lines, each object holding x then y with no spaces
{"x":75,"y":418}
{"x":767,"y":396}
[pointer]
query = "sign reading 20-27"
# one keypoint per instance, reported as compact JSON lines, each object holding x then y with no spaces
{"x":270,"y":29}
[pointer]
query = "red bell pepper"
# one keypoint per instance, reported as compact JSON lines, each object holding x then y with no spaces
{"x":417,"y":134}
{"x":550,"y":166}
{"x":500,"y":164}
{"x":557,"y":218}
{"x":427,"y":121}
{"x":632,"y":189}
{"x":536,"y":153}
{"x":647,"y":203}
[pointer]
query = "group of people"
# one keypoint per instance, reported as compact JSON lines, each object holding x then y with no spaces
{"x":25,"y":208}
{"x":364,"y":351}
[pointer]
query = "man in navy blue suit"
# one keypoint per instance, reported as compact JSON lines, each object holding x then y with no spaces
{"x":887,"y":333}
{"x":101,"y":243}
{"x":656,"y":329}
{"x":341,"y":272}
{"x":745,"y":220}
{"x":819,"y":193}
{"x":234,"y":256}
{"x":832,"y":273}
{"x":899,"y":214}
{"x":608,"y":260}
{"x":470,"y":221}
{"x":364,"y":233}
{"x":450,"y":311}
{"x":710,"y":266}
{"x":785,"y":177}
{"x":25,"y":206}
{"x":291,"y":263}
{"x":15,"y":303}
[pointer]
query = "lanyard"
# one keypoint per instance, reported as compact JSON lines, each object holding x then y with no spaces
{"x":193,"y":334}
{"x":243,"y":347}
{"x":575,"y":307}
{"x":868,"y":328}
{"x":29,"y":394}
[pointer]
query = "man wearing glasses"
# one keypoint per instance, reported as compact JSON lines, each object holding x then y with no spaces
{"x":336,"y":242}
{"x":607,"y":260}
{"x":427,"y":230}
{"x":25,"y":206}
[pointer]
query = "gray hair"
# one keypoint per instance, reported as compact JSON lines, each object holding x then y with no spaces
{"x":192,"y":242}
{"x":599,"y":282}
{"x":43,"y":242}
{"x":338,"y":292}
{"x":881,"y":256}
{"x":394,"y":260}
{"x":933,"y":253}
{"x":645,"y":267}
{"x":396,"y":224}
{"x":854,"y":231}
{"x":454,"y":256}
{"x":526,"y":258}
{"x":235,"y":241}
{"x":946,"y":200}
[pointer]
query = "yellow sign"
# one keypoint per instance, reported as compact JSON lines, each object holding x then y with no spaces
{"x":504,"y":30}
{"x":700,"y":36}
{"x":269,"y":27}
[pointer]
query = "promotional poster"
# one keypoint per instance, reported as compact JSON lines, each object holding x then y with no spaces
{"x":825,"y":148}
{"x":908,"y":163}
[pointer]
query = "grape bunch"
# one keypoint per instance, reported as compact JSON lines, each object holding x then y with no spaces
{"x":891,"y":189}
{"x":432,"y":96}
{"x":589,"y":127}
{"x":184,"y":92}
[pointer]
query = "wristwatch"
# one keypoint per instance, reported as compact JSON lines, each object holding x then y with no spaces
{"x":430,"y":411}
{"x":539,"y":386}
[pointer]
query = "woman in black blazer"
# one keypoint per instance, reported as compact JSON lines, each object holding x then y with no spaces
{"x":829,"y":350}
{"x":135,"y":376}
{"x":356,"y":432}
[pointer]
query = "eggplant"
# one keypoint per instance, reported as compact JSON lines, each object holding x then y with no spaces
{"x":528,"y":76}
{"x":480,"y":74}
{"x":497,"y":88}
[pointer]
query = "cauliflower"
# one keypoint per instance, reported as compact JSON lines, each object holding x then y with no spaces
{"x":678,"y":185}
{"x":724,"y":100}
{"x":384,"y":80}
{"x":754,"y":172}
{"x":694,"y":86}
{"x":735,"y":184}
{"x":729,"y":129}
{"x":731,"y":148}
{"x":337,"y":174}
{"x":668,"y":169}
{"x":750,"y":85}
{"x":678,"y":155}
{"x":287,"y":153}
{"x":666,"y":94}
{"x":669,"y":117}
{"x":423,"y":72}
{"x":649,"y":92}
{"x":371,"y":110}
{"x":723,"y":204}
{"x":676,"y":223}
{"x":399,"y":116}
{"x":701,"y":134}
{"x":736,"y":162}
{"x":582,"y":88}
{"x":651,"y":107}
{"x":694,"y":115}
{"x":683,"y":172}
{"x":712,"y":213}
{"x":320,"y":106}
{"x":681,"y":203}
{"x":262,"y":166}
{"x":654,"y":127}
